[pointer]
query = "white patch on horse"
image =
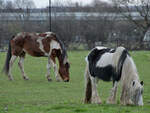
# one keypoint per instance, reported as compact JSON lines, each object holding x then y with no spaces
{"x":100,"y":47}
{"x":105,"y":60}
{"x":41,"y":45}
{"x":54,"y":45}
{"x":48,"y":34}
{"x":86,"y":59}
{"x":37,"y":33}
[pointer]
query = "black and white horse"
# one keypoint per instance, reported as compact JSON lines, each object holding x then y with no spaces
{"x":112,"y":65}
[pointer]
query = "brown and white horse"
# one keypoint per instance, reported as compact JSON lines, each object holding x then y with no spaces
{"x":38,"y":45}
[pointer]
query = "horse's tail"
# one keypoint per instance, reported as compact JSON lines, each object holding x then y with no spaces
{"x":88,"y":86}
{"x":8,"y":57}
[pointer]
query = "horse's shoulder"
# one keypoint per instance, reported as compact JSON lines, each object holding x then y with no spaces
{"x":96,"y":53}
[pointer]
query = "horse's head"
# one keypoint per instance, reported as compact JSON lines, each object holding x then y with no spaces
{"x":64,"y":71}
{"x":136,"y":92}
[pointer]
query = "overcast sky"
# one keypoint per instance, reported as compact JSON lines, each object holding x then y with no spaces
{"x":44,"y":3}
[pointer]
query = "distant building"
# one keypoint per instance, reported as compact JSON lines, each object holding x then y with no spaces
{"x":61,"y":13}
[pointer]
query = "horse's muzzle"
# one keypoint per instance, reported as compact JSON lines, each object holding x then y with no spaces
{"x":66,"y":80}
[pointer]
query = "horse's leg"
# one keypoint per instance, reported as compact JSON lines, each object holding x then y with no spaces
{"x":122,"y":98}
{"x":112,"y":97}
{"x":48,"y":69}
{"x":53,"y":63}
{"x":21,"y":66}
{"x":125,"y":96}
{"x":88,"y":86}
{"x":12,"y":60}
{"x":95,"y":97}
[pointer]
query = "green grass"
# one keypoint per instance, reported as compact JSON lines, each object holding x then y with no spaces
{"x":40,"y":96}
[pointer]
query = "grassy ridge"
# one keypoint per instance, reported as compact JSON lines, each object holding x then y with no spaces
{"x":40,"y":96}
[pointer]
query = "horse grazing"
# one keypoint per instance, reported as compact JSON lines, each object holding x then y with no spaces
{"x":112,"y":65}
{"x":38,"y":45}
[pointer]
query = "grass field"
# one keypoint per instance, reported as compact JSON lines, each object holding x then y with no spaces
{"x":40,"y":96}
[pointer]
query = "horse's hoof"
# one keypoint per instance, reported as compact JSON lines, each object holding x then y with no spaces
{"x":10,"y":78}
{"x":58,"y":80}
{"x":96,"y":101}
{"x":86,"y":102}
{"x":25,"y":78}
{"x":110,"y":101}
{"x":49,"y":79}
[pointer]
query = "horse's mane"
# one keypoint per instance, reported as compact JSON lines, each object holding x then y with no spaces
{"x":121,"y":61}
{"x":64,"y":52}
{"x":130,"y":69}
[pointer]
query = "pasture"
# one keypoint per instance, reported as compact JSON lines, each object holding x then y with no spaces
{"x":40,"y":96}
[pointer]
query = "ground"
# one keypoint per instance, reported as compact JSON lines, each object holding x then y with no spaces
{"x":40,"y":96}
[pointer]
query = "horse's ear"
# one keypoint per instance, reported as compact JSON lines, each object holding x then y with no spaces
{"x":142,"y":83}
{"x":133,"y":83}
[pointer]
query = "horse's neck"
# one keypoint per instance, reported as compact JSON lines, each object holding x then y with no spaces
{"x":60,"y":59}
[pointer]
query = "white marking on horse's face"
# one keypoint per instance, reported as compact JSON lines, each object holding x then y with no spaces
{"x":41,"y":47}
{"x":106,"y":59}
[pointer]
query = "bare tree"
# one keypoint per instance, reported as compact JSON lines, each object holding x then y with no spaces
{"x":24,"y":4}
{"x":1,"y":4}
{"x":9,"y":5}
{"x":23,"y":14}
{"x":139,"y":8}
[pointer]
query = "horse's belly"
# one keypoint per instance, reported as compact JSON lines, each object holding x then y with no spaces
{"x":105,"y":73}
{"x":36,"y":53}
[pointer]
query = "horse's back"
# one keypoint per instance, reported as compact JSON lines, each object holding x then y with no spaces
{"x":35,"y":44}
{"x":103,"y":62}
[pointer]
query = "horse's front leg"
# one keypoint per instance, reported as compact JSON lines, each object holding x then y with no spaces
{"x":48,"y":69}
{"x":112,"y":97}
{"x":125,"y":96}
{"x":53,"y":63}
{"x":95,"y":97}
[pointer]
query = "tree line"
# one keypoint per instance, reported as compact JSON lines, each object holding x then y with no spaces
{"x":86,"y":32}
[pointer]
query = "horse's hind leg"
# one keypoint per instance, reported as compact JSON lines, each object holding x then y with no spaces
{"x":112,"y":97}
{"x":88,"y":86}
{"x":21,"y":66}
{"x":95,"y":97}
{"x":12,"y":60}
